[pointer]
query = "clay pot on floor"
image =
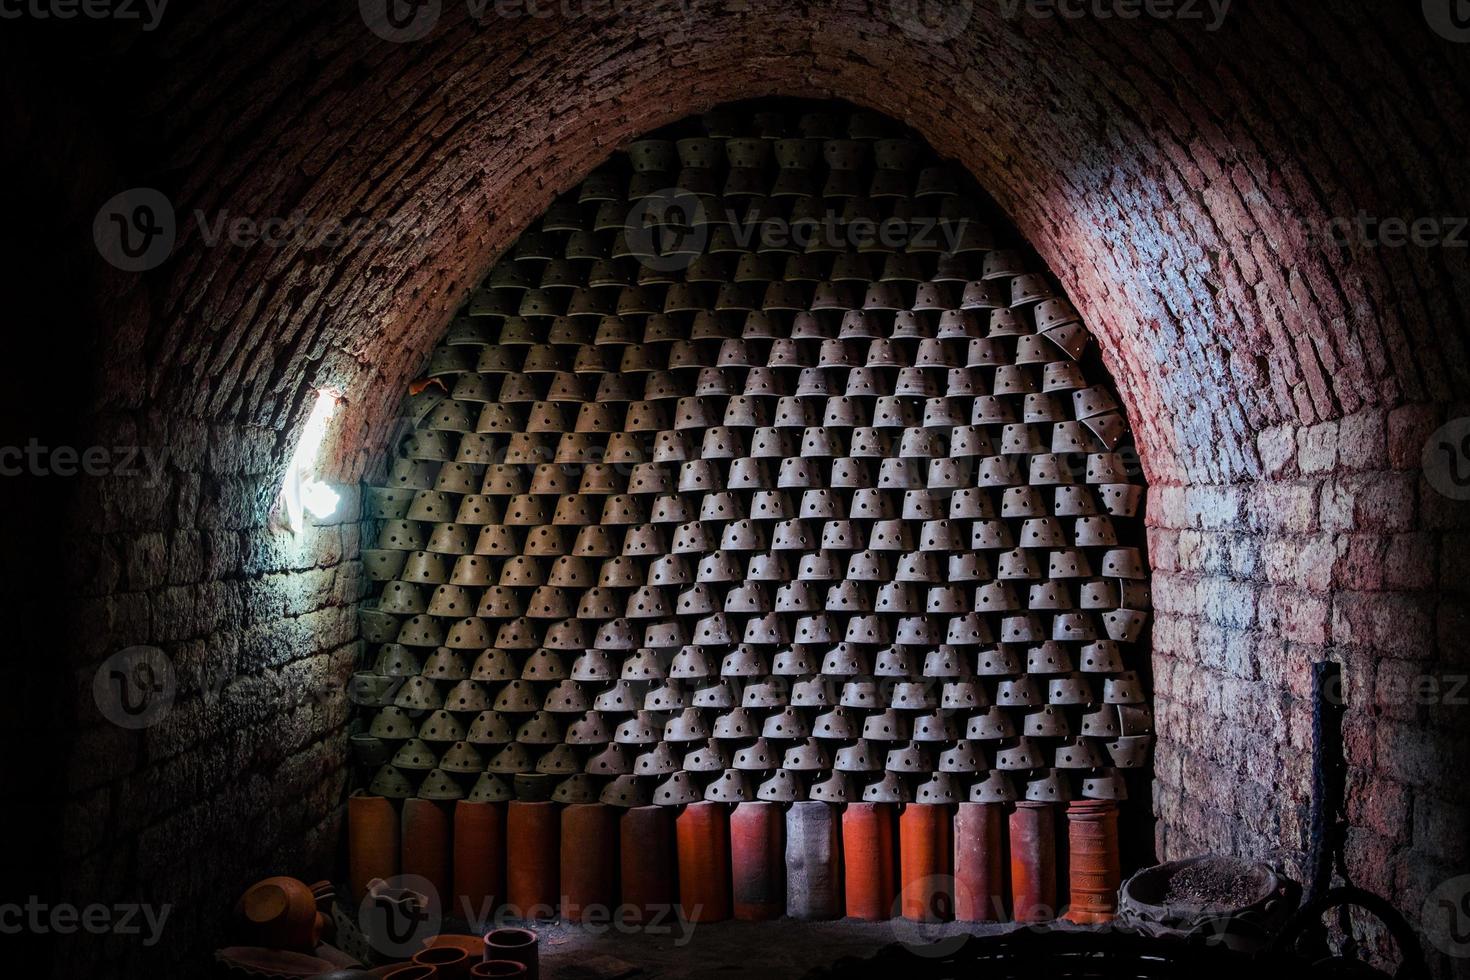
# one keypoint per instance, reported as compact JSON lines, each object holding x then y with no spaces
{"x":1033,"y":841}
{"x":517,"y":945}
{"x":589,"y":860}
{"x":926,"y":853}
{"x":449,"y":962}
{"x":532,"y":856}
{"x":757,"y":860}
{"x":869,"y":860}
{"x":425,"y":852}
{"x":813,"y":862}
{"x":1094,"y":868}
{"x":703,"y":835}
{"x":479,"y":859}
{"x":279,"y":913}
{"x":412,"y":971}
{"x":501,"y":969}
{"x":980,"y":863}
{"x":372,"y":841}
{"x":648,"y":861}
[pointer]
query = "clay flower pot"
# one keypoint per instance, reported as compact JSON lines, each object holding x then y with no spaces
{"x":589,"y":859}
{"x":1034,"y":861}
{"x":479,"y":860}
{"x":757,"y":860}
{"x":518,"y":946}
{"x":648,"y":862}
{"x":924,"y":862}
{"x":979,"y":863}
{"x":449,"y":962}
{"x":703,"y":833}
{"x":497,"y":968}
{"x":279,"y":913}
{"x":532,"y":853}
{"x":426,"y":828}
{"x":870,"y":865}
{"x":372,"y":841}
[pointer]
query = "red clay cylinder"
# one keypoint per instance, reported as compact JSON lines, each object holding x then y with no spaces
{"x":589,"y":861}
{"x":757,"y":860}
{"x":479,"y":860}
{"x":980,"y":890}
{"x":532,"y":849}
{"x":703,"y":832}
{"x":868,"y":857}
{"x":1034,"y":861}
{"x":1094,"y":868}
{"x":925,"y":859}
{"x":372,"y":841}
{"x":426,"y":825}
{"x":648,"y":863}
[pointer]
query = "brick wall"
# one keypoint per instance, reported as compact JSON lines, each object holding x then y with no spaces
{"x":1280,"y":385}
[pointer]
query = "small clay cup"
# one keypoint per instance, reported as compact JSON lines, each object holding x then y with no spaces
{"x":517,"y":945}
{"x":449,"y":962}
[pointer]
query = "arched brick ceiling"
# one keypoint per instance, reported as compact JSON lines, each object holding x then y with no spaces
{"x":1154,"y":165}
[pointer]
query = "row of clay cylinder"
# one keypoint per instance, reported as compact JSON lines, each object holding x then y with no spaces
{"x":707,"y":862}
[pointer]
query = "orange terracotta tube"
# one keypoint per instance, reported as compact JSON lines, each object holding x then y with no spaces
{"x":479,"y":860}
{"x":926,"y":853}
{"x":426,"y":833}
{"x":589,"y":862}
{"x":1034,"y":862}
{"x":372,"y":841}
{"x":980,"y":888}
{"x":648,"y":863}
{"x":1094,"y":868}
{"x":869,"y":860}
{"x":703,"y":834}
{"x":532,"y":855}
{"x":758,"y":860}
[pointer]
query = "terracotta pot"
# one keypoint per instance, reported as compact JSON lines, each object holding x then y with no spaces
{"x":813,"y":862}
{"x":532,"y":851}
{"x":648,"y":863}
{"x":474,"y":946}
{"x":372,"y":841}
{"x":479,"y":860}
{"x":1094,"y":868}
{"x":589,"y":860}
{"x":1034,"y":861}
{"x":926,"y":853}
{"x":426,"y":828}
{"x":868,"y":857}
{"x":412,"y":971}
{"x":517,"y":945}
{"x":497,"y":968}
{"x":279,"y":913}
{"x":980,"y":863}
{"x":757,"y":859}
{"x":449,"y":962}
{"x":703,"y":833}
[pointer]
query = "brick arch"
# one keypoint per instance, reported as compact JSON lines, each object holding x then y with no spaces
{"x":1282,"y":388}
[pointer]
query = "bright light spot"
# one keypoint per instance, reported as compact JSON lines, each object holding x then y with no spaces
{"x":303,"y":492}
